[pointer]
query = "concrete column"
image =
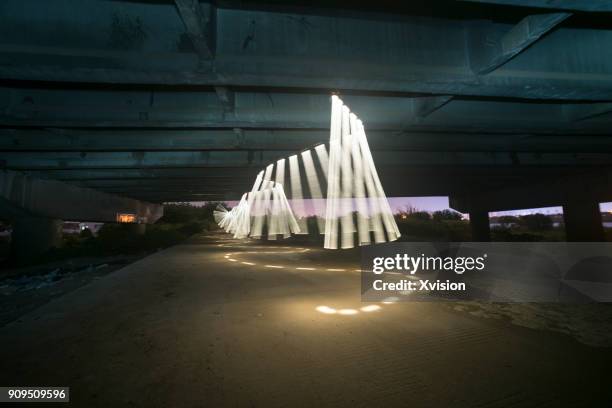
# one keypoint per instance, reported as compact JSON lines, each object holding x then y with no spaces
{"x":582,"y":219}
{"x":32,"y":236}
{"x":479,"y":223}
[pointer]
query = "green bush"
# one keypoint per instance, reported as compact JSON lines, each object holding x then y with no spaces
{"x":186,"y":213}
{"x":178,"y":223}
{"x":447,"y":215}
{"x":536,"y":222}
{"x":443,"y":230}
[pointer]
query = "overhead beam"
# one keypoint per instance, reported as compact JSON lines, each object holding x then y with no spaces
{"x":485,"y":58}
{"x":23,"y":195}
{"x":172,"y":184}
{"x":534,"y":195}
{"x":282,"y":109}
{"x":573,"y":5}
{"x":199,"y":23}
{"x":260,"y":159}
{"x":451,"y":81}
{"x":152,"y":174}
{"x":104,"y":140}
{"x":426,"y":105}
{"x":306,"y":63}
{"x":579,"y":112}
{"x":226,"y":98}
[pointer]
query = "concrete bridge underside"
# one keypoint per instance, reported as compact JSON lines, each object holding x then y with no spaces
{"x":497,"y":104}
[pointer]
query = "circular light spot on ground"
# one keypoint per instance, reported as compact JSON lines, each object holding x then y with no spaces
{"x":348,"y":311}
{"x":325,"y":309}
{"x":370,"y":308}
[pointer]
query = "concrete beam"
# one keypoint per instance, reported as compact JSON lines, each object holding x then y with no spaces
{"x":573,"y":5}
{"x":98,"y":140}
{"x":426,"y":105}
{"x":22,"y":196}
{"x":485,"y":58}
{"x":226,"y":98}
{"x":594,"y":185}
{"x":257,"y":110}
{"x":252,"y":158}
{"x":579,"y":112}
{"x":263,"y":48}
{"x":199,"y":24}
{"x":509,"y":198}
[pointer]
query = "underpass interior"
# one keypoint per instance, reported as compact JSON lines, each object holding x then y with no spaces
{"x":113,"y":110}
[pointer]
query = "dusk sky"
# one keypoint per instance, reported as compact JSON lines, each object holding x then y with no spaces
{"x":440,"y":203}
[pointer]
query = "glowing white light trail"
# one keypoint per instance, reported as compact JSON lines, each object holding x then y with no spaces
{"x":353,"y":206}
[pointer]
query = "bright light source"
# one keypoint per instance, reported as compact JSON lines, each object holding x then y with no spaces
{"x":325,"y":309}
{"x":352,"y":183}
{"x":370,"y":308}
{"x":126,"y":218}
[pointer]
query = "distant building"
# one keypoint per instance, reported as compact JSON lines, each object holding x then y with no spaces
{"x":73,"y":227}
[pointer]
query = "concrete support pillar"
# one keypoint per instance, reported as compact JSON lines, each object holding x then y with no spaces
{"x":582,"y":218}
{"x":33,"y":236}
{"x":479,"y":223}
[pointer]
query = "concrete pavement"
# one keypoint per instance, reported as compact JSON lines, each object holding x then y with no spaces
{"x":217,"y":322}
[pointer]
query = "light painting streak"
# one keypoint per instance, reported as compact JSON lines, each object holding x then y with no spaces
{"x":353,"y":186}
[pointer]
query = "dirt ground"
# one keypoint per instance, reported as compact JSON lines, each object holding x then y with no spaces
{"x":217,"y":322}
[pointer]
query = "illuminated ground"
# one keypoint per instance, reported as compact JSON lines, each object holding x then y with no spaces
{"x":217,"y":322}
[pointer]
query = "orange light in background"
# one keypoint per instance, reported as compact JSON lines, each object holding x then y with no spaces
{"x":126,"y":218}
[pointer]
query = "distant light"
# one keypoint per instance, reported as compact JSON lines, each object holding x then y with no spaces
{"x":325,"y":309}
{"x":347,"y":311}
{"x":126,"y":218}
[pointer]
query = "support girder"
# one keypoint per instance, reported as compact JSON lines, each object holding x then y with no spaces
{"x":260,"y":159}
{"x":574,"y":5}
{"x":22,"y":195}
{"x":262,"y":48}
{"x":77,"y":140}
